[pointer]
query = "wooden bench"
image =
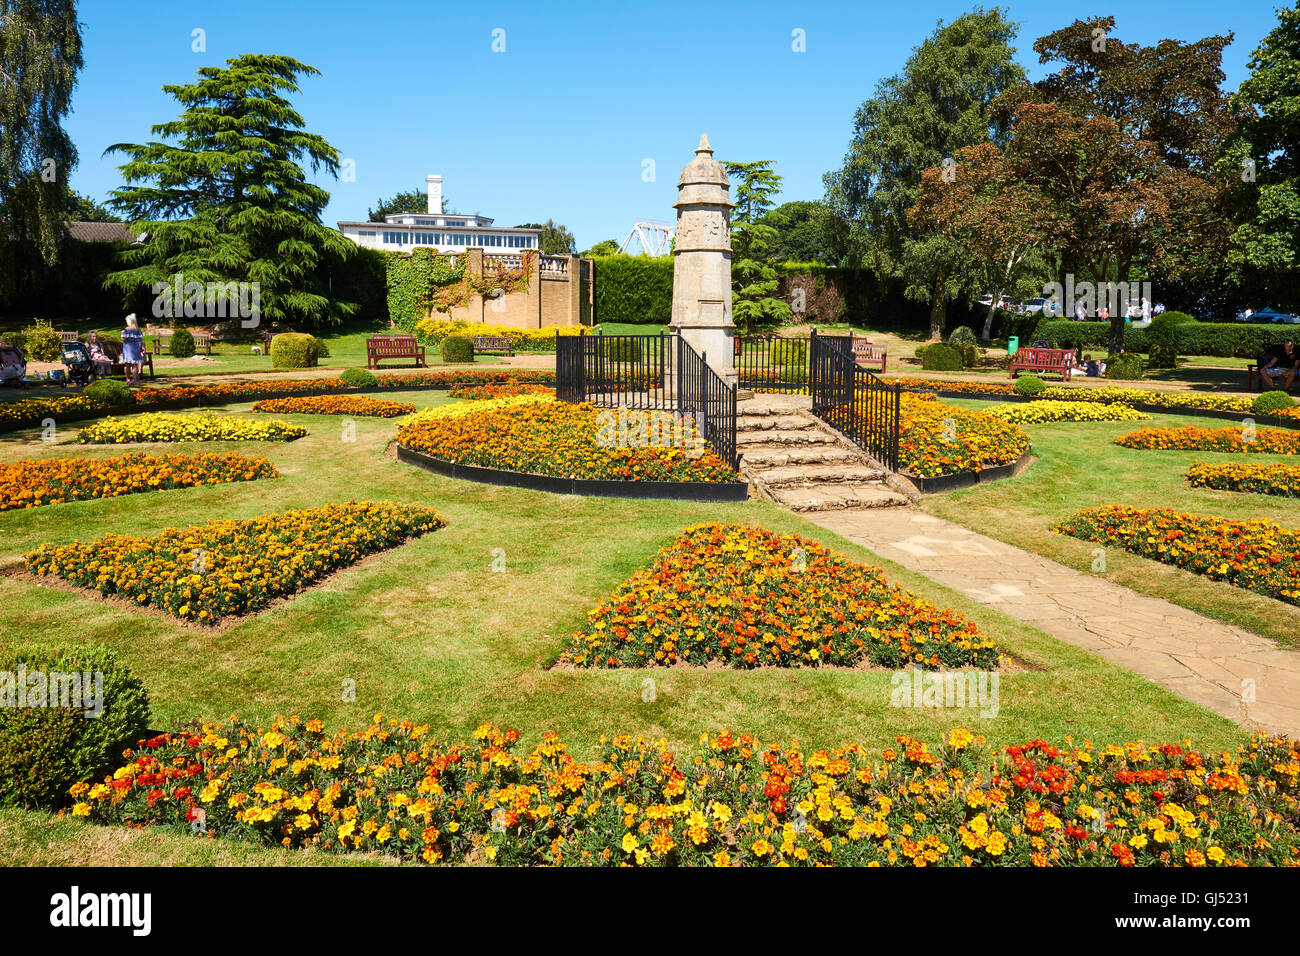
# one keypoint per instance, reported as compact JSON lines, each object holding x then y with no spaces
{"x":1043,"y":360}
{"x":70,"y":336}
{"x":162,"y":342}
{"x":1255,"y":381}
{"x":380,"y":347}
{"x":483,"y":344}
{"x":864,"y":353}
{"x":119,"y":368}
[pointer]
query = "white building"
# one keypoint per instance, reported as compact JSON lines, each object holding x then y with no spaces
{"x":446,"y":232}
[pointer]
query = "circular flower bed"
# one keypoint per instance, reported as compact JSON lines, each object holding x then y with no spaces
{"x":731,"y":800}
{"x":52,"y":481}
{"x":1259,"y":555}
{"x":1038,"y":413}
{"x":749,"y":597}
{"x":167,"y":427}
{"x":358,"y":405}
{"x":1269,"y":441}
{"x":222,"y":568}
{"x":1280,"y":480}
{"x":537,"y":435}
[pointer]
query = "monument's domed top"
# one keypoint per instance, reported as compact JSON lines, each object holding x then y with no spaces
{"x":704,"y":169}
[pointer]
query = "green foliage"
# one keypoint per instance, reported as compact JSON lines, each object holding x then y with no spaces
{"x":754,"y":280}
{"x":410,"y":201}
{"x":1271,"y":402}
{"x":964,"y":339}
{"x":457,"y":349}
{"x":43,"y":342}
{"x":636,"y":289}
{"x":616,"y":349}
{"x":1235,"y":339}
{"x":412,"y":279}
{"x":359,"y":378}
{"x":805,"y":232}
{"x":941,"y":357}
{"x":182,"y":344}
{"x":1028,"y":384}
{"x":226,"y":197}
{"x":1162,"y":338}
{"x":555,"y":240}
{"x":606,"y":247}
{"x":43,"y":749}
{"x":109,"y":391}
{"x":294,"y":350}
{"x":1124,"y":366}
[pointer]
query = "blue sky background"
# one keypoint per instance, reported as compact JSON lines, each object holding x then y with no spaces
{"x":558,"y":125}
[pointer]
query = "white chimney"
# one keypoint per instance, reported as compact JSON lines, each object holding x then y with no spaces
{"x":435,"y":194}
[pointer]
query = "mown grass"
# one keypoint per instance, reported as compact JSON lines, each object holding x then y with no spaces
{"x":1079,"y":466}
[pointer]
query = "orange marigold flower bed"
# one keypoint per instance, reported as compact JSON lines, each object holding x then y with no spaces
{"x":749,"y":597}
{"x":731,"y":800}
{"x":564,"y":440}
{"x":1268,"y":441}
{"x":359,"y":405}
{"x":505,"y":390}
{"x":226,"y":568}
{"x":1257,"y":555}
{"x":51,"y":481}
{"x":941,"y":439}
{"x":1281,"y":480}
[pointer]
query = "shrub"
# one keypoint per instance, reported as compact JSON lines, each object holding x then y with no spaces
{"x":941,"y":357}
{"x":457,"y":349}
{"x":1126,"y":366}
{"x":45,"y":749}
{"x":963,"y":338}
{"x":633,"y":289}
{"x":1029,"y":384}
{"x":1271,"y":402}
{"x":359,"y":378}
{"x":294,"y":350}
{"x":182,"y":346}
{"x":108,"y":392}
{"x":1162,"y":338}
{"x":43,"y":342}
{"x":322,"y":350}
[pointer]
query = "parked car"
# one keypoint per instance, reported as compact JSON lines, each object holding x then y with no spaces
{"x":1039,"y":305}
{"x":987,"y":299}
{"x":1268,"y":315}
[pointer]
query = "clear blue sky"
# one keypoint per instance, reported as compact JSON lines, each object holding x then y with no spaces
{"x":559,"y":124}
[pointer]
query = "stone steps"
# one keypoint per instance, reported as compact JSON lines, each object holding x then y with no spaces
{"x":773,"y":456}
{"x":834,"y":473}
{"x":751,"y":423}
{"x":836,"y":496}
{"x":807,"y":436}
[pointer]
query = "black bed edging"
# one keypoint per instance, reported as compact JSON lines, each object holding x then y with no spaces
{"x":1222,"y":414}
{"x":602,"y":488}
{"x":965,"y":479}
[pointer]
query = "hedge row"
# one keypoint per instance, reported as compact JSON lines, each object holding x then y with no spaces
{"x":1228,"y":339}
{"x":633,"y":289}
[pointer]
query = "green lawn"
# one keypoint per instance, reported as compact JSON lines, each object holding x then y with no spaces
{"x":1079,"y":466}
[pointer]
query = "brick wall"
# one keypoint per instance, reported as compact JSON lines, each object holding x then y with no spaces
{"x":558,"y":293}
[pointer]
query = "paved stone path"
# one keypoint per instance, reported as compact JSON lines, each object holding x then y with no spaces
{"x":1196,"y":657}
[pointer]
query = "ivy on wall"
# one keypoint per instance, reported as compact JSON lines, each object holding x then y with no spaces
{"x":424,"y":281}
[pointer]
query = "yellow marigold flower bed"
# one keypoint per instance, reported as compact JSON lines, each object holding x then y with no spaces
{"x":938,"y":385}
{"x":1257,"y":555}
{"x":169,"y":427}
{"x":749,"y":597}
{"x":1269,"y":441}
{"x":538,"y":435}
{"x":358,"y":405}
{"x":504,"y":390}
{"x":435,"y":330}
{"x":226,"y":568}
{"x":1281,"y":480}
{"x":1141,"y":396}
{"x":940,"y":439}
{"x":33,"y":410}
{"x":1038,"y":413}
{"x":52,"y":481}
{"x":729,"y":801}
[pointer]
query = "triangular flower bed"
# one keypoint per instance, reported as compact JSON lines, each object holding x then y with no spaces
{"x":228,"y":568}
{"x":746,"y":597}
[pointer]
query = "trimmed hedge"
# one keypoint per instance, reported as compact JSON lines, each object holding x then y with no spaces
{"x":46,"y":749}
{"x":1225,"y":339}
{"x":294,"y":350}
{"x":1126,"y":366}
{"x":457,"y":349}
{"x":1162,"y":338}
{"x":109,"y":392}
{"x":359,"y":378}
{"x":182,"y":345}
{"x":941,"y":357}
{"x":635,"y":289}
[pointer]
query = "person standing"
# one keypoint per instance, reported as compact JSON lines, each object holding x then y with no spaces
{"x":1146,"y":309}
{"x":132,"y":350}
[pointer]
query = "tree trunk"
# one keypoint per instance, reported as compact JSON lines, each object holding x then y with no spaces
{"x":938,"y":312}
{"x":988,"y":319}
{"x":1116,"y":334}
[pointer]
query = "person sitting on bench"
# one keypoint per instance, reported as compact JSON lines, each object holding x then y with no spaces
{"x":1278,"y":362}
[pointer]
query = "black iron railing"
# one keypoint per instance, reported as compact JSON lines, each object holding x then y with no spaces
{"x":649,"y":373}
{"x":772,"y":363}
{"x":852,"y":399}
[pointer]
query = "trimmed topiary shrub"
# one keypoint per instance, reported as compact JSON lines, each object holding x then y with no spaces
{"x":182,"y":346}
{"x":941,"y":357}
{"x":1127,"y":366}
{"x":1029,"y":384}
{"x":1271,"y":402}
{"x":294,"y":350}
{"x":1162,"y":338}
{"x":964,"y":339}
{"x":359,"y":378}
{"x":457,"y":349}
{"x":109,"y":392}
{"x":44,"y":749}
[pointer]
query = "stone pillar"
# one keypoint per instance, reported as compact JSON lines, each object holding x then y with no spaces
{"x":702,"y":262}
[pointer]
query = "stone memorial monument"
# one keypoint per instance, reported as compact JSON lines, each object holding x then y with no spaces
{"x":702,"y":262}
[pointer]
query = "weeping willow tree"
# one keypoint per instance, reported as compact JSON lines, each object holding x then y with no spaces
{"x":40,"y":56}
